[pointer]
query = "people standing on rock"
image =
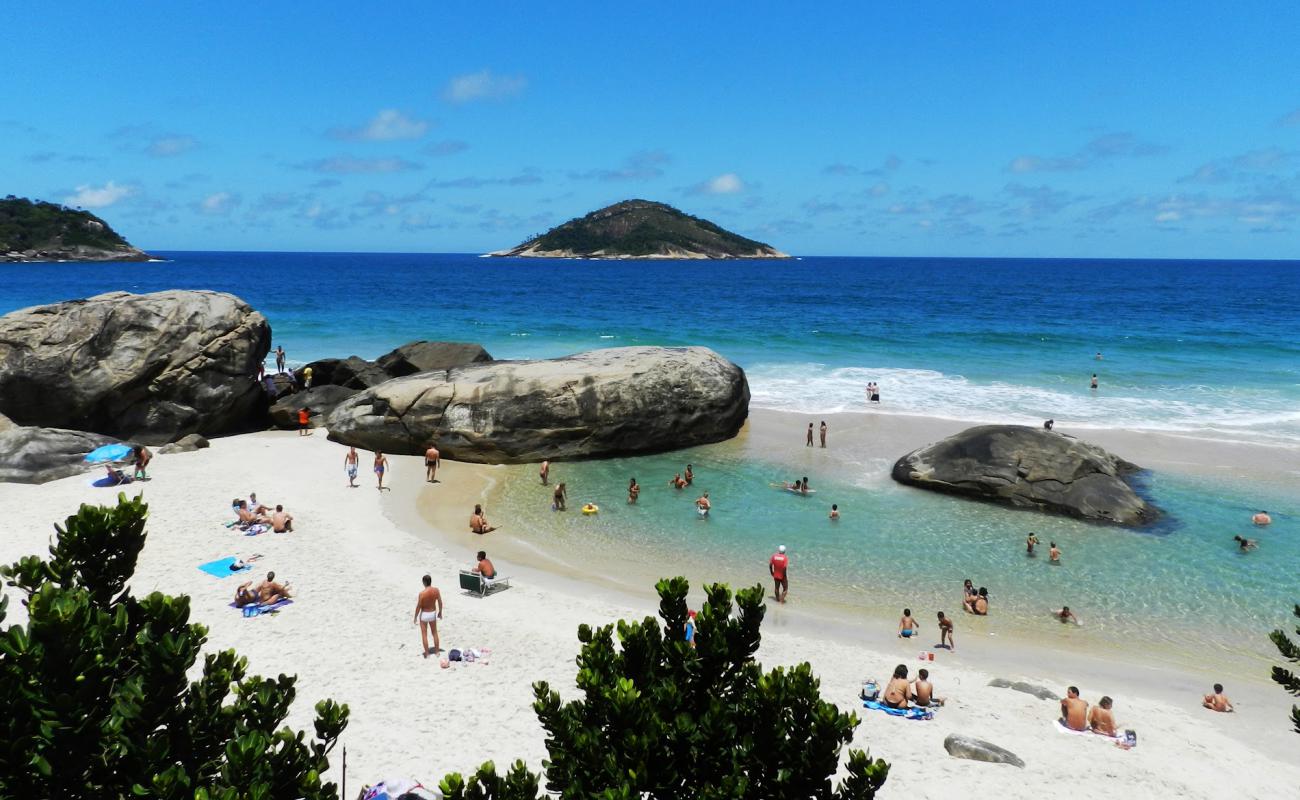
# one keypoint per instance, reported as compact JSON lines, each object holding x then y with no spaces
{"x":545,"y":471}
{"x":1093,"y":383}
{"x":559,"y":498}
{"x":306,"y":377}
{"x":703,"y":505}
{"x":809,"y":441}
{"x":1218,"y":701}
{"x":141,"y":458}
{"x":1054,"y":554}
{"x":478,"y":522}
{"x":351,"y":462}
{"x":431,"y":459}
{"x":945,"y":633}
{"x":1074,"y":710}
{"x":633,"y":491}
{"x":1261,"y":519}
{"x":835,"y":511}
{"x":279,"y":358}
{"x":779,"y":565}
{"x":1030,"y":542}
{"x":1245,"y":544}
{"x":381,"y":466}
{"x":428,"y":610}
{"x":689,"y":475}
{"x":304,"y":421}
{"x":823,"y":433}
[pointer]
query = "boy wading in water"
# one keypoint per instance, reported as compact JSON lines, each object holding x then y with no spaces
{"x":428,"y":610}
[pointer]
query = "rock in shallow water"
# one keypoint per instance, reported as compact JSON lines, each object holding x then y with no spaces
{"x":1031,"y":468}
{"x":149,"y":367}
{"x":617,"y":401}
{"x":960,"y":746}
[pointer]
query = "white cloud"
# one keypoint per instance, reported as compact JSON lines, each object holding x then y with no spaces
{"x":171,"y":145}
{"x":726,"y":183}
{"x":482,"y":85}
{"x":388,"y":125}
{"x":88,"y":196}
{"x":218,"y":203}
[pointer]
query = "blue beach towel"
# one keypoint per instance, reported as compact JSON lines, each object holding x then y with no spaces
{"x":221,"y":567}
{"x":906,"y":713}
{"x":262,"y":609}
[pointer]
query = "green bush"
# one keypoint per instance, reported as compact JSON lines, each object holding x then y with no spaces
{"x":659,"y":719}
{"x":1288,"y":679}
{"x":94,"y":695}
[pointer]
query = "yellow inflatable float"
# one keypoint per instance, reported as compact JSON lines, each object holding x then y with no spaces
{"x":590,"y":508}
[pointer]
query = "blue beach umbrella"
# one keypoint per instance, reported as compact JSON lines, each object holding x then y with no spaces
{"x":109,"y":452}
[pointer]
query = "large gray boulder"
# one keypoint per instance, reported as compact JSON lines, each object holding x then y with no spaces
{"x":618,"y":401}
{"x":960,"y":746}
{"x":319,"y":401}
{"x":1029,"y":468}
{"x":352,"y":372}
{"x":355,"y":372}
{"x":38,"y":455}
{"x":149,"y":367}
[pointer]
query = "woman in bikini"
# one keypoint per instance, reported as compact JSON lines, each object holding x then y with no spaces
{"x":899,"y":691}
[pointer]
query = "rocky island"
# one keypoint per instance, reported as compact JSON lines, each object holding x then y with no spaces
{"x":640,"y":229}
{"x":39,"y":231}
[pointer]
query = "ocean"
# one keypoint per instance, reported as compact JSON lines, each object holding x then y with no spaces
{"x":1208,"y":349}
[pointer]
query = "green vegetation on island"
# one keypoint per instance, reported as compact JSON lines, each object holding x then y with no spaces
{"x":34,"y":230}
{"x":641,"y":229}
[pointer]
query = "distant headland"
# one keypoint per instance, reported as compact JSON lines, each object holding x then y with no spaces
{"x":33,"y":230}
{"x":640,"y":229}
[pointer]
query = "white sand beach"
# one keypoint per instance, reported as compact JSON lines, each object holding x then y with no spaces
{"x":355,"y":561}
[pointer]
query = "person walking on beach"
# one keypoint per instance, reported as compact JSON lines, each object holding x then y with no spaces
{"x":279,"y":359}
{"x":945,"y":633}
{"x":779,"y":566}
{"x":545,"y":471}
{"x":1074,"y":710}
{"x":431,"y":459}
{"x":381,"y":466}
{"x":823,"y":433}
{"x":558,"y":499}
{"x":808,"y":442}
{"x":351,"y":462}
{"x":428,"y":610}
{"x":633,"y":491}
{"x":1093,"y":383}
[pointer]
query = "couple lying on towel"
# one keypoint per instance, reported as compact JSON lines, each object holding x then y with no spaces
{"x":265,"y":593}
{"x":279,"y":520}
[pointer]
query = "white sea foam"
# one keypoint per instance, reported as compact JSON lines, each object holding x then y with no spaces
{"x":1230,"y":414}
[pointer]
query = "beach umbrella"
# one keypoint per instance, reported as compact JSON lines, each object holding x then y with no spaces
{"x":109,"y":452}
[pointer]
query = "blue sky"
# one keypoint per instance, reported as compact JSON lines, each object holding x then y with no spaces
{"x":1016,"y":129}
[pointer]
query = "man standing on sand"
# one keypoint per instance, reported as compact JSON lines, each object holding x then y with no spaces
{"x":545,"y":471}
{"x":1074,"y":710}
{"x":304,"y":421}
{"x":808,"y":442}
{"x":428,"y":610}
{"x":431,"y":458}
{"x":279,"y":358}
{"x":1217,"y":701}
{"x":823,"y":432}
{"x":381,"y":466}
{"x":778,"y":566}
{"x":350,"y":465}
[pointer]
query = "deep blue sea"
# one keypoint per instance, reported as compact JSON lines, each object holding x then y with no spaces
{"x":1211,"y":347}
{"x":1208,"y":349}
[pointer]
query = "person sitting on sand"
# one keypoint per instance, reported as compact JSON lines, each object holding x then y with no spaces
{"x":255,"y":506}
{"x":689,"y":475}
{"x":899,"y":691}
{"x":1262,"y":518}
{"x":1245,"y":544}
{"x":923,"y":690}
{"x":247,"y":518}
{"x":835,"y":511}
{"x":945,"y":633}
{"x":907,"y":627}
{"x":142,"y":457}
{"x":1074,"y":710}
{"x":633,"y":491}
{"x":478,"y":522}
{"x":1065,"y":615}
{"x":559,"y":498}
{"x":485,"y":567}
{"x":1100,"y":718}
{"x":1054,"y":554}
{"x":245,"y":596}
{"x":270,"y":592}
{"x":676,"y":482}
{"x":703,"y":504}
{"x":281,"y":520}
{"x":1217,"y":701}
{"x":116,"y":476}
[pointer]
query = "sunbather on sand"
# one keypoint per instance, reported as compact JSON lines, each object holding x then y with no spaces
{"x":1074,"y":710}
{"x":899,"y":691}
{"x":247,"y":518}
{"x":117,"y":476}
{"x":281,"y":520}
{"x":478,"y":521}
{"x":1100,"y":718}
{"x":268,"y":591}
{"x":923,"y":690}
{"x":244,"y":596}
{"x":1217,"y":701}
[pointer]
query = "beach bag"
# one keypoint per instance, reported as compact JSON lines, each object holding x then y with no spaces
{"x":453,"y":655}
{"x":870,"y":691}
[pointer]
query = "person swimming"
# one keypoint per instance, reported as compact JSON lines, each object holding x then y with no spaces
{"x":1245,"y":544}
{"x":1262,"y":518}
